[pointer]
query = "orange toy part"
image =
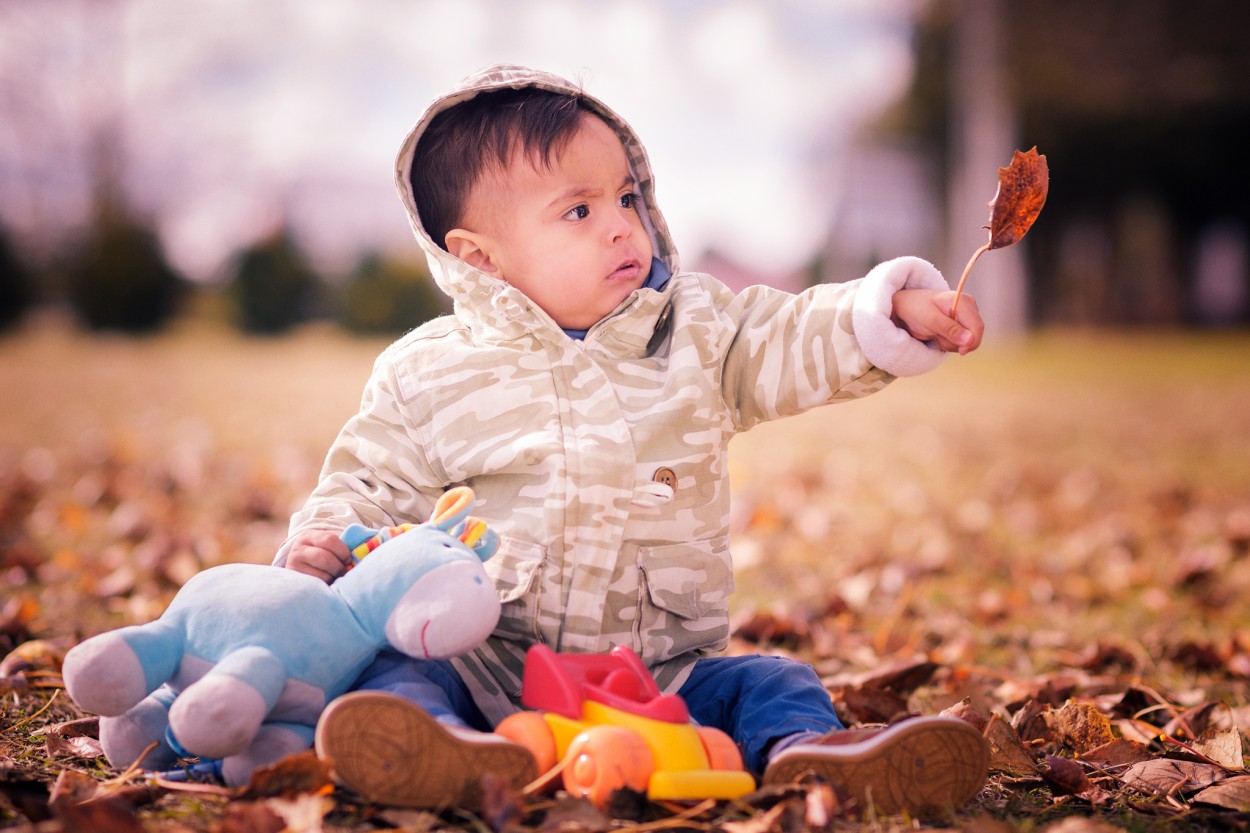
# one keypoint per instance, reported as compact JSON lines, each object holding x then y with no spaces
{"x":722,"y":752}
{"x":604,"y":759}
{"x":531,"y":730}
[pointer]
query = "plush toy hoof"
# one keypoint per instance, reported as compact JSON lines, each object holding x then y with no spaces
{"x":104,"y":675}
{"x":217,"y":717}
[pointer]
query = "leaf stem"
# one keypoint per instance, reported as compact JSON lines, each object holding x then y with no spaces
{"x":959,"y":290}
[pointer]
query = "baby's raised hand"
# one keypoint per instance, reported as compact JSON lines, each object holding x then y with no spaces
{"x":925,"y":315}
{"x":320,"y":553}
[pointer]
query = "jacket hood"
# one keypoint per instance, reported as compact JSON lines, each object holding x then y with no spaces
{"x":470,"y":289}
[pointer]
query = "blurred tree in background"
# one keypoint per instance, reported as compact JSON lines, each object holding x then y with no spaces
{"x":16,"y":283}
{"x":388,"y":296}
{"x":273,"y":287}
{"x":118,"y":277}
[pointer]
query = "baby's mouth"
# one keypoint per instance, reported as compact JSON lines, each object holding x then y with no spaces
{"x":628,"y":270}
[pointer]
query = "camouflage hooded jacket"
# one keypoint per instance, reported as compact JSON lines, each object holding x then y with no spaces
{"x":603,"y":461}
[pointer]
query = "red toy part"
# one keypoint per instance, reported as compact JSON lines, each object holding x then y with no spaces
{"x":559,"y":683}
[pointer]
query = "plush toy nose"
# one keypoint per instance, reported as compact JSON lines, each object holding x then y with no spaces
{"x":448,"y":612}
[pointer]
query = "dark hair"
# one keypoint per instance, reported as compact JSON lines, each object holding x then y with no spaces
{"x":464,"y":141}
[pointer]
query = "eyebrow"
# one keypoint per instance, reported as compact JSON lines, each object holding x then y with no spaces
{"x":628,"y":181}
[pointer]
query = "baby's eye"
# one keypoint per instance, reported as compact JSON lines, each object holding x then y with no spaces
{"x":629,"y":200}
{"x":578,"y":212}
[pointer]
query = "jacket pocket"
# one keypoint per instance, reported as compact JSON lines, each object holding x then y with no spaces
{"x":684,"y":605}
{"x":516,"y":569}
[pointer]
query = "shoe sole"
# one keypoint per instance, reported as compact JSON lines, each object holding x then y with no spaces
{"x":391,"y":752}
{"x":925,"y":766}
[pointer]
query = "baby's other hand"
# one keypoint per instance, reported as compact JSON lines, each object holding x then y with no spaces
{"x":320,"y":553}
{"x":926,"y":315}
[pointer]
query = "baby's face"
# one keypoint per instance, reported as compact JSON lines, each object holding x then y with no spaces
{"x":570,"y":237}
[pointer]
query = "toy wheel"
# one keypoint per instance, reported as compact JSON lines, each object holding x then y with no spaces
{"x":530,"y":730}
{"x":722,"y":752}
{"x":604,"y":759}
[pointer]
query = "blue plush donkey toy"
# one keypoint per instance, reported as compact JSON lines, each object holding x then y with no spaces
{"x":240,"y":665}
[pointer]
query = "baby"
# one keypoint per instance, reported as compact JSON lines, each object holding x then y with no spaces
{"x":587,"y":388}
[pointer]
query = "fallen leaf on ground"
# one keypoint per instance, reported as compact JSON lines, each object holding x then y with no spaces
{"x":1065,"y":776}
{"x":1165,"y":777}
{"x":295,"y":774}
{"x":1007,"y":753}
{"x":1232,"y":794}
{"x":1081,"y":726}
{"x":100,"y":816}
{"x":1223,"y":746}
{"x":1117,"y":754}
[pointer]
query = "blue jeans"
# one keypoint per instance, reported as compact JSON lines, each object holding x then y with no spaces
{"x":756,"y":700}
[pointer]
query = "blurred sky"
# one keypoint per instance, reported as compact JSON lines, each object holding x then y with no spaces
{"x":233,"y":114}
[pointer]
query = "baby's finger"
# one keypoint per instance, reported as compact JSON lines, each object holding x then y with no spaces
{"x":316,"y":561}
{"x":332,"y":544}
{"x":974,"y":328}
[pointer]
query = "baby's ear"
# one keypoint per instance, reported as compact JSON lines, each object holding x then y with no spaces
{"x":472,"y":248}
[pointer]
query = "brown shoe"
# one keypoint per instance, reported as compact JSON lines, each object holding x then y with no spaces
{"x":925,"y":766}
{"x":393,"y":752}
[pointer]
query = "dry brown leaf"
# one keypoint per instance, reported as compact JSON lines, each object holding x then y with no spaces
{"x":902,"y":678}
{"x":1232,"y":794}
{"x":1031,"y":724}
{"x":1022,"y":189}
{"x":1081,"y":726}
{"x":101,"y":816}
{"x":1223,"y":746}
{"x":1007,"y":753}
{"x":72,"y":739}
{"x":1138,"y":730}
{"x":1191,"y":723}
{"x":767,"y":627}
{"x":32,"y":655}
{"x":1065,"y":776}
{"x":1137,"y":702}
{"x":73,"y":746}
{"x":871,"y":705}
{"x":1165,"y":777}
{"x":295,"y":774}
{"x":965,"y":711}
{"x":73,"y":787}
{"x":1118,"y":754}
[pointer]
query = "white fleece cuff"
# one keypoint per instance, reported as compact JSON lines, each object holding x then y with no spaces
{"x":886,"y":345}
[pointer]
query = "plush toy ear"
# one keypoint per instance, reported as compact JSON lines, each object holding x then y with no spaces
{"x":452,"y":508}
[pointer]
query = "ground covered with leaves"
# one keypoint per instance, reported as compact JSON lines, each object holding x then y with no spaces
{"x":1048,"y":538}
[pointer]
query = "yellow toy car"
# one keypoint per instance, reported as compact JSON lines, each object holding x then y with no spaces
{"x":603,"y":724}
